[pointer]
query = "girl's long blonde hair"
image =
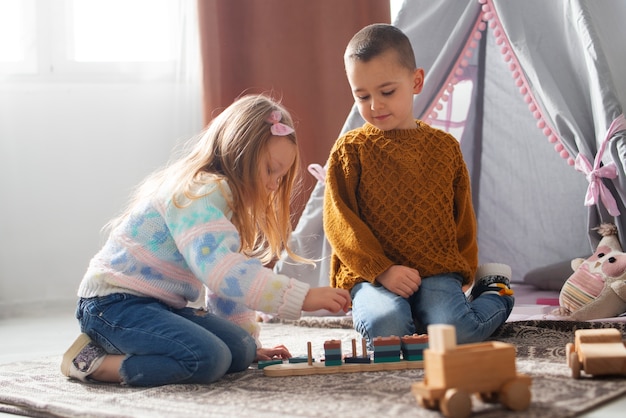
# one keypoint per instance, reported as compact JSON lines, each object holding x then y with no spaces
{"x":230,"y":148}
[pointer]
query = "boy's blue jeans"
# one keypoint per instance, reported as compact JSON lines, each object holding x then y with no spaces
{"x":377,"y":312}
{"x":164,"y":345}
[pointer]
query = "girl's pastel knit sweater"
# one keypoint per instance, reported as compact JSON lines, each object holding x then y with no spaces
{"x":171,"y":253}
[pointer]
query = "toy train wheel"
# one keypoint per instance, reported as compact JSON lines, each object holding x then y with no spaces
{"x":427,"y":403}
{"x":489,"y":397}
{"x":456,"y":403}
{"x":515,"y":394}
{"x":574,"y":364}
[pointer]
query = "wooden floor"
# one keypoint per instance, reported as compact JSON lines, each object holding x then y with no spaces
{"x":27,"y":338}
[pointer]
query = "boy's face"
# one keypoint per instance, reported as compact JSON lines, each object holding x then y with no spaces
{"x":383,"y":90}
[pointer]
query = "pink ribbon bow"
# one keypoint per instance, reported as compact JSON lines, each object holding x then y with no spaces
{"x":318,"y":172}
{"x":277,"y":128}
{"x":595,"y":173}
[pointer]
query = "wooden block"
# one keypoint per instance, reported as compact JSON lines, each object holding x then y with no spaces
{"x":300,"y":359}
{"x":413,"y":347}
{"x":603,"y":335}
{"x":383,"y":341}
{"x":441,"y":337}
{"x":264,"y":363}
{"x":332,"y":344}
{"x":357,"y":359}
{"x":474,"y":367}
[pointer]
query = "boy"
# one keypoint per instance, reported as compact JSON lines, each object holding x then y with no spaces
{"x":398,"y":208}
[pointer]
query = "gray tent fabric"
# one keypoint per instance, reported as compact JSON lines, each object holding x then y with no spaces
{"x":549,"y":80}
{"x":307,"y":240}
{"x":570,"y":74}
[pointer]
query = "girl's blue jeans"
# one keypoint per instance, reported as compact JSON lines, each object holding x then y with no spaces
{"x":377,"y":312}
{"x":164,"y":345}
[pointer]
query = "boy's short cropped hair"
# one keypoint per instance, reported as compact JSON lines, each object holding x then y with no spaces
{"x":374,"y":40}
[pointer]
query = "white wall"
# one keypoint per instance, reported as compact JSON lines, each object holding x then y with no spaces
{"x":70,"y":154}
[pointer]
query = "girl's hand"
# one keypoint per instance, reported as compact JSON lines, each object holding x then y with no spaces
{"x":278,"y":352}
{"x":329,"y":298}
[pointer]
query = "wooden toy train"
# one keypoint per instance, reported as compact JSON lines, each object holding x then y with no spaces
{"x":390,"y":353}
{"x":454,"y":372}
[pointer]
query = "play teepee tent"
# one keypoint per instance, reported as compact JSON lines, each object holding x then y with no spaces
{"x":541,"y":87}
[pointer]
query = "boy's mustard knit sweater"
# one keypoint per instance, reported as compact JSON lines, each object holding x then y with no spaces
{"x":398,"y":197}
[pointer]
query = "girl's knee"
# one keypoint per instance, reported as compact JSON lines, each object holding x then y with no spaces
{"x":214,"y":364}
{"x":243,"y":354}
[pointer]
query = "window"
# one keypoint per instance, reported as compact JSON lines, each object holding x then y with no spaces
{"x":92,"y":39}
{"x":453,"y":112}
{"x":118,"y":31}
{"x":17,"y":36}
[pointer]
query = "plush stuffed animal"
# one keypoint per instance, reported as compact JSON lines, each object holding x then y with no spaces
{"x":597,"y":288}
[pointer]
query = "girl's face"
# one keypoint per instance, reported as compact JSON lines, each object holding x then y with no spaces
{"x":276,"y":162}
{"x":383,"y":90}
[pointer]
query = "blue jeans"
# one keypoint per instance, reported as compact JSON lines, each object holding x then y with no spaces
{"x":165,"y":345}
{"x":377,"y":312}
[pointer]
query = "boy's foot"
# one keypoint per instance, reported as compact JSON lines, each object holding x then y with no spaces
{"x":492,"y":278}
{"x":82,"y":358}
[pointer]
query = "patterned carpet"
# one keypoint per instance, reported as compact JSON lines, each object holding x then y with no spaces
{"x":37,"y":389}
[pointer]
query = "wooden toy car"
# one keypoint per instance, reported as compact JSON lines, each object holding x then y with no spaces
{"x":597,"y":352}
{"x":453,"y":373}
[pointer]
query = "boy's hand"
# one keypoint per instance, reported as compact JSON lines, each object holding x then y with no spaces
{"x":328,"y":298}
{"x":401,"y":280}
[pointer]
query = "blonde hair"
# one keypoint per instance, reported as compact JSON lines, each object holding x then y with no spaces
{"x":230,"y":148}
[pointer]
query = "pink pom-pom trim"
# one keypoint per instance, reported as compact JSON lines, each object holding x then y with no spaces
{"x":490,"y":15}
{"x":445,"y":93}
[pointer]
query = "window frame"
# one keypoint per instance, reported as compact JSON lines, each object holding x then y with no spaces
{"x":47,"y":52}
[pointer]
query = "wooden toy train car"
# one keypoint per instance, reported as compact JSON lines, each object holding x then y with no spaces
{"x":597,"y":352}
{"x":453,"y":373}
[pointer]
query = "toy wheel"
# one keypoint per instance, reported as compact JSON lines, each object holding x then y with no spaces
{"x":515,"y":395}
{"x":489,"y":397}
{"x":574,"y":364}
{"x":456,"y":404}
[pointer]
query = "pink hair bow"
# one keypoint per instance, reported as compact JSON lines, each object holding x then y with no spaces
{"x":595,"y":173}
{"x":279,"y":129}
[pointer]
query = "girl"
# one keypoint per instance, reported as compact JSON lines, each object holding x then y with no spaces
{"x":199,"y":230}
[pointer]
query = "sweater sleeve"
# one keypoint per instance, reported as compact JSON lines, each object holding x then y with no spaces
{"x":465,"y":221}
{"x":238,"y":285}
{"x":351,"y":239}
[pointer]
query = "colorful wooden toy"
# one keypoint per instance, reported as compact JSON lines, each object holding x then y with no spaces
{"x":386,"y":349}
{"x":264,"y":363}
{"x":332,"y":353}
{"x":597,"y":352}
{"x":363,"y":359}
{"x":350,"y":364}
{"x":453,"y":373}
{"x":413,"y":347}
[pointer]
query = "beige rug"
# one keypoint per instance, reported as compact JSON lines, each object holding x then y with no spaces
{"x":37,"y":389}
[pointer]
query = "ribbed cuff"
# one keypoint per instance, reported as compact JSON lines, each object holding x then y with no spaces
{"x":293,"y":300}
{"x":493,"y":269}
